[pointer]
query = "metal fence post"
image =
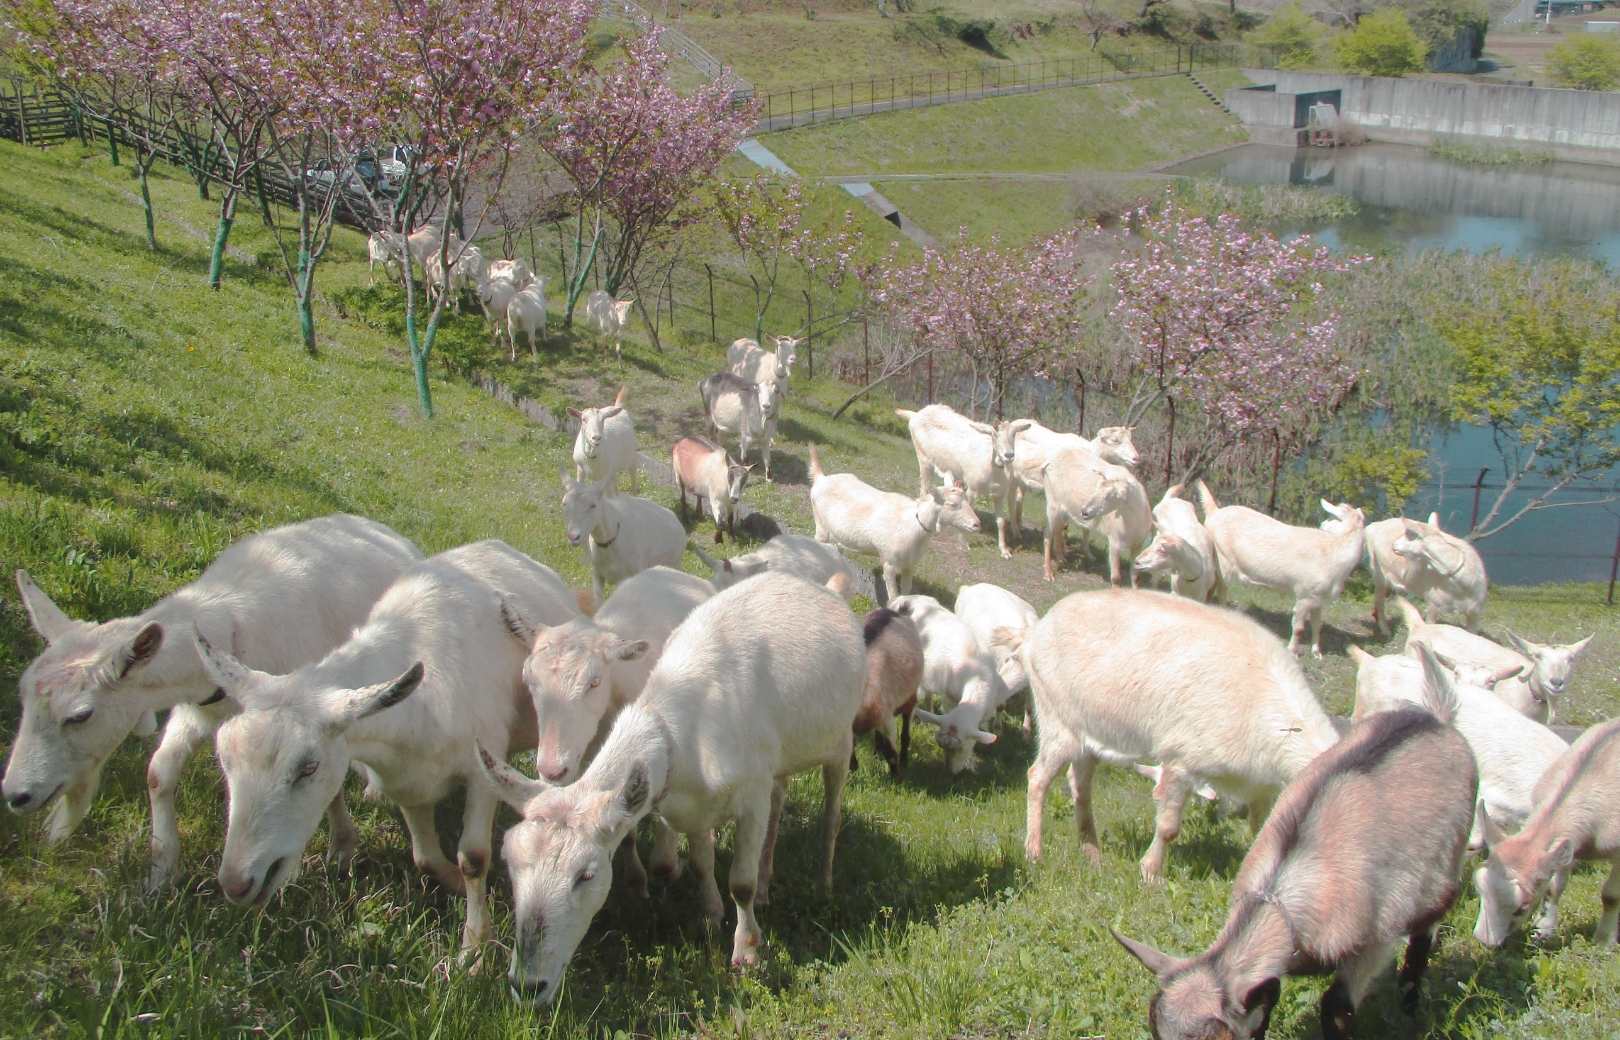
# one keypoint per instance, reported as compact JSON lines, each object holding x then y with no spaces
{"x":1479,"y":483}
{"x":809,"y":335}
{"x":712,"y":335}
{"x":1614,"y":567}
{"x":866,"y":378}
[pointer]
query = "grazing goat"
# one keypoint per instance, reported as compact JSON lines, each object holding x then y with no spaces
{"x":762,"y":682}
{"x":607,"y":317}
{"x":1422,"y":561}
{"x":281,"y":599}
{"x":1534,"y":692}
{"x":386,"y":248}
{"x":1574,"y":818}
{"x":425,"y":242}
{"x":1081,"y":487}
{"x":961,"y":674}
{"x":515,"y":271}
{"x":1036,"y":444}
{"x":1182,"y":546}
{"x":526,"y":313}
{"x":1308,"y":562}
{"x":795,"y":554}
{"x":894,"y":668}
{"x":732,"y":405}
{"x":622,"y":535}
{"x":974,"y":455}
{"x":894,"y":528}
{"x":702,"y":465}
{"x":1129,"y":676}
{"x":439,"y":631}
{"x":751,"y":363}
{"x":1364,"y":848}
{"x":605,"y":445}
{"x":1512,"y":751}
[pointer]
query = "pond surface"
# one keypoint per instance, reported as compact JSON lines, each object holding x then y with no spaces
{"x":1412,"y":200}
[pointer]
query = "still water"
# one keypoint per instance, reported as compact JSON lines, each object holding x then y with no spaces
{"x":1414,"y":201}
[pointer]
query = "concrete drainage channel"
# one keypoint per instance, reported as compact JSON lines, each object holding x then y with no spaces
{"x":764,"y":158}
{"x":750,"y":521}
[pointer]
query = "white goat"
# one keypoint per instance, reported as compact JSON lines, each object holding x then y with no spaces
{"x":1574,"y":819}
{"x":605,"y":445}
{"x":747,"y":409}
{"x":386,"y":248}
{"x":894,"y":528}
{"x":795,"y":554}
{"x":975,"y":455}
{"x":440,"y":631}
{"x":762,"y":682}
{"x":1127,"y":676}
{"x":752,"y":363}
{"x":281,"y":599}
{"x":1534,"y":692}
{"x":961,"y":673}
{"x":1182,"y":546}
{"x":622,"y":535}
{"x":515,"y":271}
{"x":986,"y":608}
{"x":1035,"y":445}
{"x":527,"y":313}
{"x":1308,"y":562}
{"x":703,"y":466}
{"x":607,"y":318}
{"x":1512,"y":751}
{"x":1422,"y":561}
{"x":1082,"y":487}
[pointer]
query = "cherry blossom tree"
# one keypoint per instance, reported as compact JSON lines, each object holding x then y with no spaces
{"x":1223,"y":322}
{"x":636,"y":152}
{"x":460,"y":83}
{"x":113,"y":59}
{"x":1009,"y":311}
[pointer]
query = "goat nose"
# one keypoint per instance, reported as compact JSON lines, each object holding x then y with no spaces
{"x":529,"y":990}
{"x":19,"y":801}
{"x":238,"y":891}
{"x":556,"y":775}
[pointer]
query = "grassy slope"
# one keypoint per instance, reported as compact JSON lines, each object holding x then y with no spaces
{"x":130,"y":459}
{"x":1106,"y":126}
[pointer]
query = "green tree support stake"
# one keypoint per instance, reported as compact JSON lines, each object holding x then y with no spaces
{"x":227,"y":217}
{"x":306,"y":310}
{"x":146,"y":201}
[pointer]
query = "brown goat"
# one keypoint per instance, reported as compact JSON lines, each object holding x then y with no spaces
{"x":894,"y":665}
{"x":1363,"y":848}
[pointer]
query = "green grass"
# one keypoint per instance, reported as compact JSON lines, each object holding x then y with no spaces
{"x":1488,"y":155}
{"x":145,"y":422}
{"x":1102,"y":127}
{"x":1015,"y":209}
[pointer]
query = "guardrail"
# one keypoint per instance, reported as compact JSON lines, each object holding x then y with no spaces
{"x":678,"y":42}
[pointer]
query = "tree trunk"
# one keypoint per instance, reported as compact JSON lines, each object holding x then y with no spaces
{"x":143,"y":163}
{"x":227,"y":217}
{"x":1170,"y":443}
{"x":306,"y":293}
{"x":1276,"y":468}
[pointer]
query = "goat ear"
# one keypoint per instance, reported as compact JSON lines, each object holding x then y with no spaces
{"x":511,"y":786}
{"x":346,"y":707}
{"x":629,"y":649}
{"x":983,"y":427}
{"x":1434,"y":519}
{"x":140,"y":650}
{"x":226,"y":672}
{"x":1260,"y":999}
{"x":637,"y":790}
{"x":1332,"y":509}
{"x":1010,"y":639}
{"x":1560,"y":855}
{"x":1494,"y":835}
{"x":920,"y":715}
{"x":1160,"y":964}
{"x":608,"y":413}
{"x":562,"y":471}
{"x":1576,"y":648}
{"x":521,"y":628}
{"x":982,"y":736}
{"x":1523,"y":646}
{"x":1439,"y":692}
{"x":574,"y":412}
{"x":1504,"y":674}
{"x":1022,"y":424}
{"x":46,"y":617}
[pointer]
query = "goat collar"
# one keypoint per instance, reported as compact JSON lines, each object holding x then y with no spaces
{"x":213,"y":698}
{"x":669,"y":757}
{"x":916,"y":514}
{"x":1462,"y":561}
{"x":610,"y":541}
{"x":1271,"y":900}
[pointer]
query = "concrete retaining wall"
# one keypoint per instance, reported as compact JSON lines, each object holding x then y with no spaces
{"x":1582,"y":125}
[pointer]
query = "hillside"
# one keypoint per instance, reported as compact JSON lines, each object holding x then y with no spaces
{"x":145,"y":422}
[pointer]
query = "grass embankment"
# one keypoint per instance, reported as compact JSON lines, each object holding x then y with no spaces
{"x":1488,"y":155}
{"x":148,"y":421}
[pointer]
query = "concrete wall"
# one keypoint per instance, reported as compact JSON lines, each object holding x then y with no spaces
{"x":1573,"y":124}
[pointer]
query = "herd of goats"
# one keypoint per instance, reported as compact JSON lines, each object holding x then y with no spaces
{"x":332,"y":644}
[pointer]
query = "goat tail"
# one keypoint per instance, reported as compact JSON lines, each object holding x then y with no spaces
{"x":905,"y":413}
{"x":624,"y":388}
{"x":816,"y":472}
{"x":1413,"y":616}
{"x":1206,"y":498}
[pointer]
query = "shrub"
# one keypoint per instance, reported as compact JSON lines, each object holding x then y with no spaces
{"x":1383,"y":44}
{"x":1586,"y":62}
{"x":1438,"y":23}
{"x":1292,"y":35}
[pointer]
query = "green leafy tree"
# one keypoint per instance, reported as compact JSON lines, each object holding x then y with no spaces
{"x":1540,"y":366}
{"x":1291,"y":35}
{"x":1438,"y":23}
{"x":1383,"y":44}
{"x":1589,"y":61}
